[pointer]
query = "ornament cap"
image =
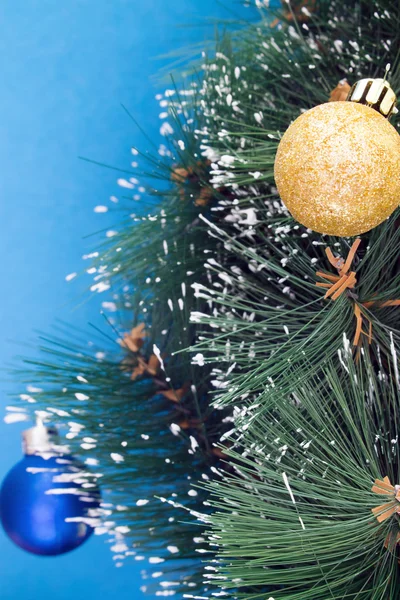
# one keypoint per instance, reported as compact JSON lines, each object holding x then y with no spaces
{"x":375,"y":93}
{"x":39,"y":439}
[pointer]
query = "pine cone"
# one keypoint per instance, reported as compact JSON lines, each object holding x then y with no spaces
{"x":180,"y":174}
{"x":134,"y":340}
{"x":340,"y":92}
{"x":296,"y":9}
{"x":204,"y":197}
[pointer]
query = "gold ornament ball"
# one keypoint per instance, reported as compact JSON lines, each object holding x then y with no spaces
{"x":337,"y":168}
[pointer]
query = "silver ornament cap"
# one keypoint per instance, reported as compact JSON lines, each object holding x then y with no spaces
{"x":39,"y":439}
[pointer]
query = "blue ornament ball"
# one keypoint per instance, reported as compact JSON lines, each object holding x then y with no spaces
{"x":41,"y":505}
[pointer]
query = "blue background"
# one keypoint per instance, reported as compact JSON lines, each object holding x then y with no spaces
{"x":65,"y":67}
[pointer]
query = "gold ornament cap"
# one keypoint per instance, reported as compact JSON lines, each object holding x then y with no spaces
{"x":375,"y":93}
